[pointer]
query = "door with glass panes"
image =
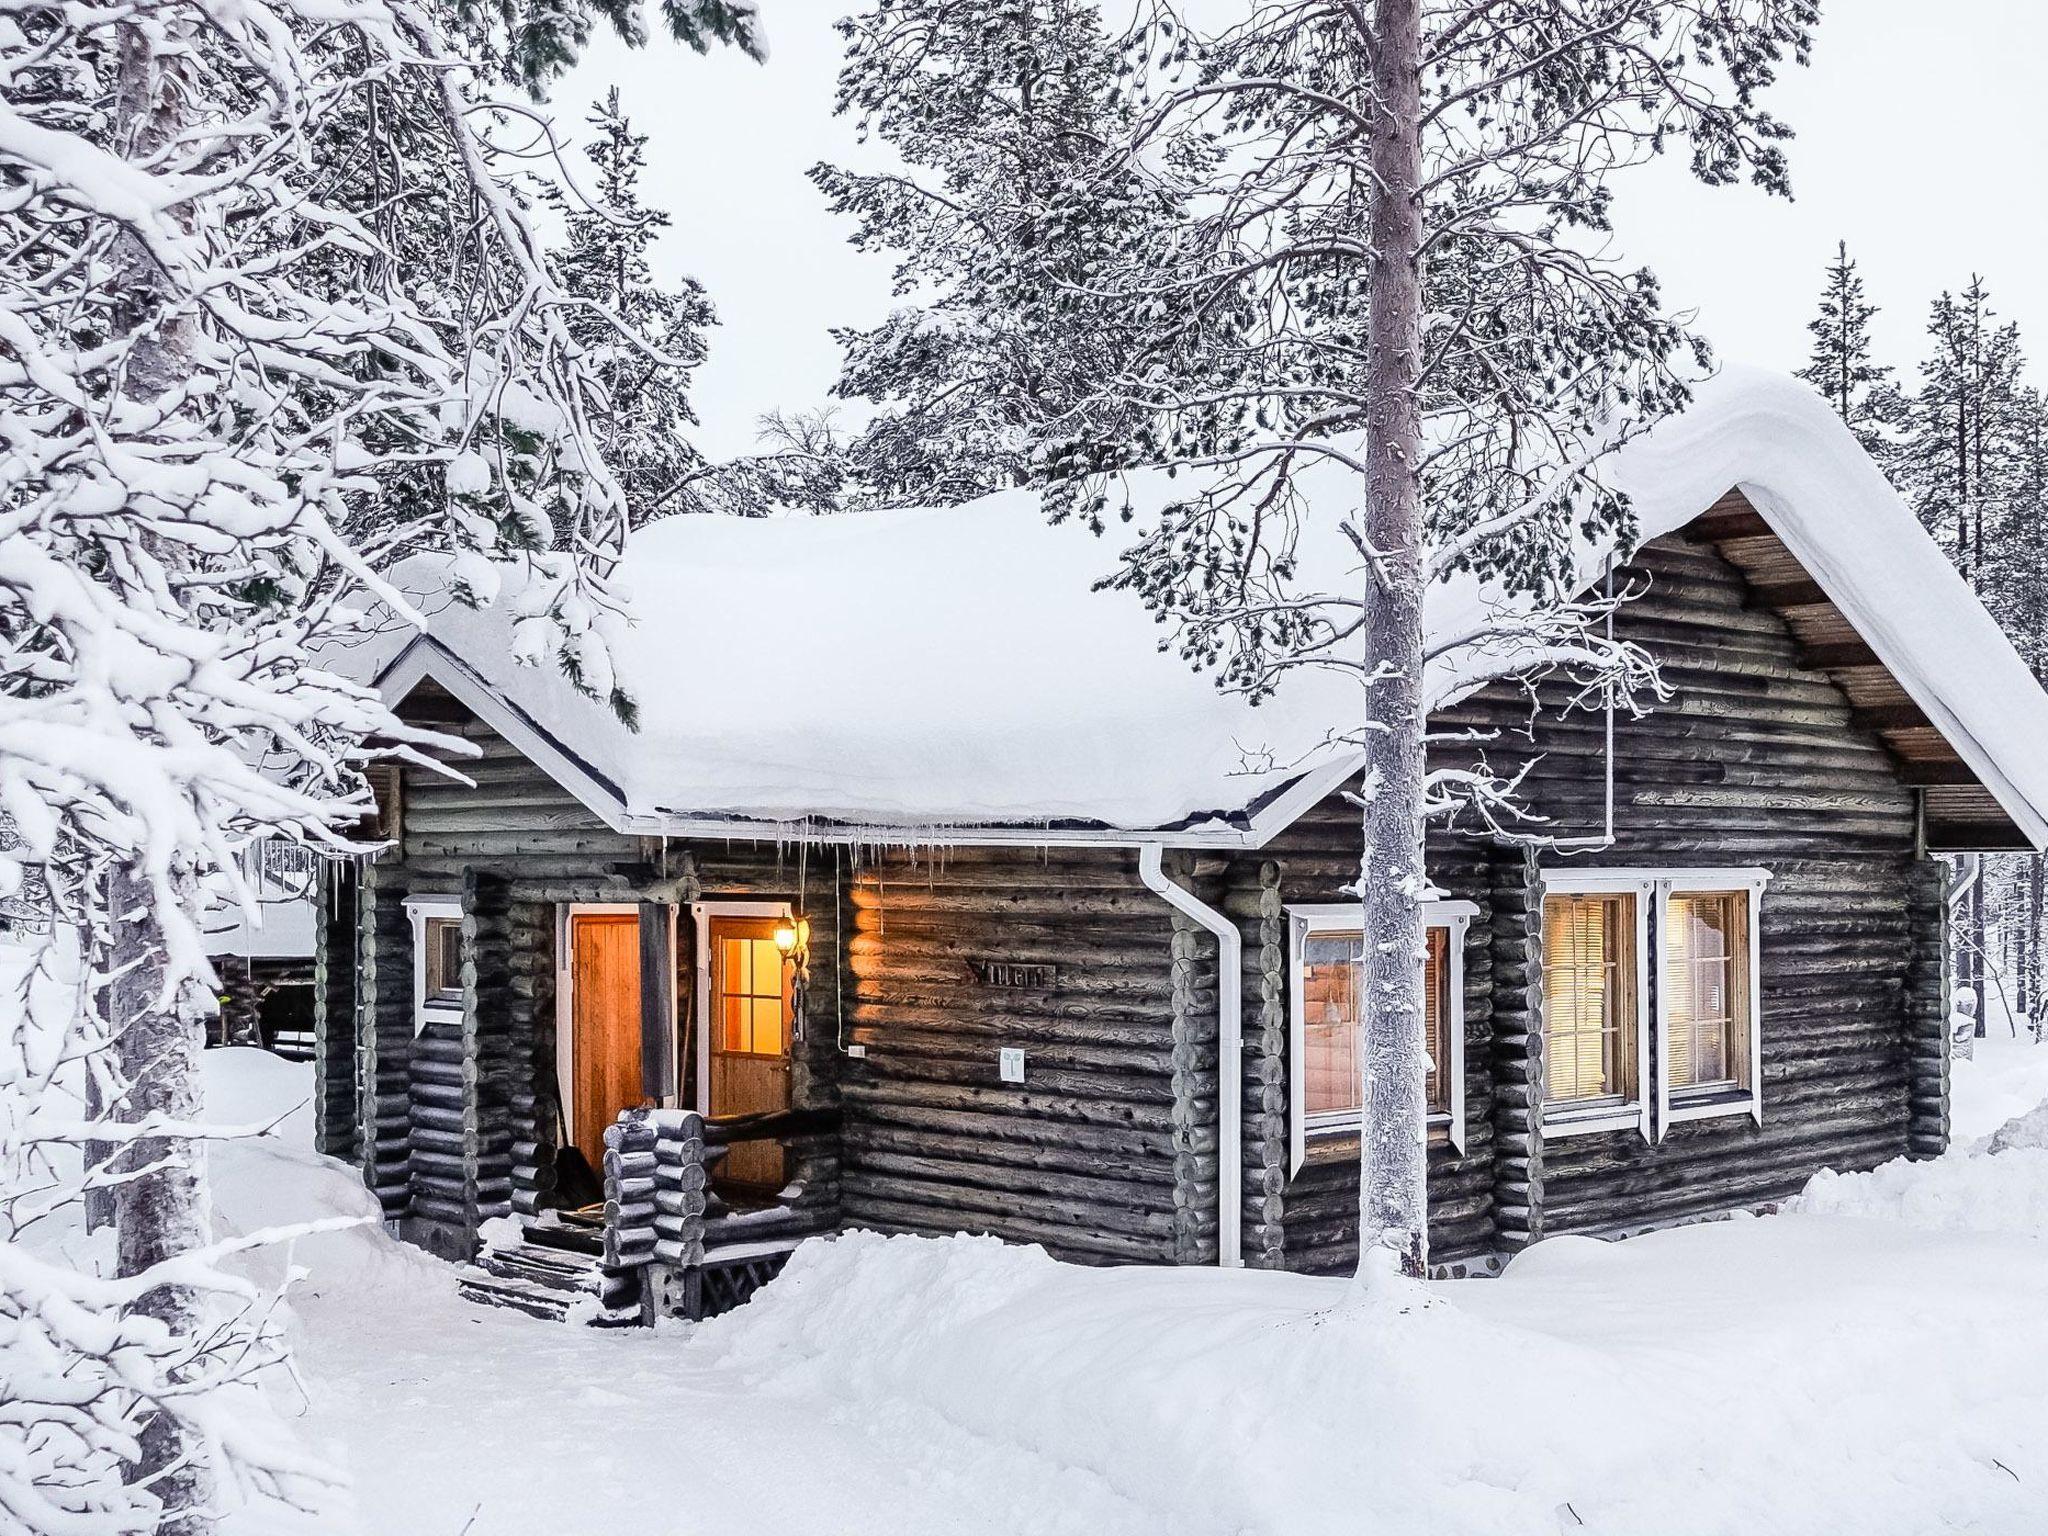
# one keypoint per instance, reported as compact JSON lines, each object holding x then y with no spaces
{"x":749,"y":1027}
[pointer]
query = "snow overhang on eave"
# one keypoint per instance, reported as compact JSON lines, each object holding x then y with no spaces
{"x":2029,"y":819}
{"x":425,"y":659}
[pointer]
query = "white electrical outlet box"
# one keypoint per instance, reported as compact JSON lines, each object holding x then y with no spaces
{"x":856,"y":1050}
{"x":1010,"y":1064}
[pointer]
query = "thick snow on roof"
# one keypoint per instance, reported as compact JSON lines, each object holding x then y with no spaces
{"x":952,"y":667}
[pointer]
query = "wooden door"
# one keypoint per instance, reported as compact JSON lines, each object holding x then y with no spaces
{"x":604,"y":1048}
{"x":749,"y":1022}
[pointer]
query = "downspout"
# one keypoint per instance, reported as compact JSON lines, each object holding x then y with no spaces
{"x":1230,"y":1047}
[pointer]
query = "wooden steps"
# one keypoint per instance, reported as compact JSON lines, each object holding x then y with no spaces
{"x":544,"y":1279}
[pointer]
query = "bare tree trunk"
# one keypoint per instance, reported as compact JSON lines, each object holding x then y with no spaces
{"x":159,"y":1211}
{"x":1393,"y":1177}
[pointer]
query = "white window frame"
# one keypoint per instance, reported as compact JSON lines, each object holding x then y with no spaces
{"x":1632,"y":1114}
{"x":427,"y":1010}
{"x":1750,"y":1103}
{"x":1346,"y":917}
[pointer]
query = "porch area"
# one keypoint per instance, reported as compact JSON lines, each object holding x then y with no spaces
{"x":670,"y":1238}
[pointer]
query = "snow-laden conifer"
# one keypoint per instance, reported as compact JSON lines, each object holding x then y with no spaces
{"x":272,"y":314}
{"x":1841,"y":364}
{"x":1010,"y":198}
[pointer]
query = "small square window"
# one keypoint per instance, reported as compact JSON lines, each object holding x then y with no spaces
{"x":442,"y":939}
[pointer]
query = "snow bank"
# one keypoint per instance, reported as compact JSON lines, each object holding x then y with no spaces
{"x":2005,"y":1075}
{"x":2005,"y":1192}
{"x":1758,"y":1377}
{"x":278,"y":1180}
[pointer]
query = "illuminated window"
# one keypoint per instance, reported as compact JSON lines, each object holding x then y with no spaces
{"x":1329,"y":1013}
{"x":1589,"y":1001}
{"x":752,"y":1006}
{"x":1709,"y":1047}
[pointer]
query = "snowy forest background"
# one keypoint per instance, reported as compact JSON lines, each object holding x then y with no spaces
{"x":1962,"y":434}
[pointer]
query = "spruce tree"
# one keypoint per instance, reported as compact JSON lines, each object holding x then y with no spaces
{"x":1841,"y":366}
{"x":645,"y":368}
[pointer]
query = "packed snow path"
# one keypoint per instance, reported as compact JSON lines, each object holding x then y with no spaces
{"x":1882,"y":1367}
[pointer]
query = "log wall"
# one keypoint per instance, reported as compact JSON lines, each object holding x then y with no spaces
{"x":384,"y":1005}
{"x":1754,"y":761}
{"x":1105,"y":1152}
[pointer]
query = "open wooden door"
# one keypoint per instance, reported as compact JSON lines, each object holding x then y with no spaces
{"x":604,"y":1051}
{"x":750,"y":1015}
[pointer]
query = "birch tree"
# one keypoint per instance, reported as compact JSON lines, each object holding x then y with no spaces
{"x":230,"y":395}
{"x":1412,"y":199}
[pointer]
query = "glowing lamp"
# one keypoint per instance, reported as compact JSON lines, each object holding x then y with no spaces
{"x":791,"y":934}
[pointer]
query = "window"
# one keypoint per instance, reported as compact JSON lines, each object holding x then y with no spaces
{"x":436,"y":959}
{"x":748,"y":981}
{"x":1602,"y":1013}
{"x":1589,"y":1004}
{"x":443,"y":944}
{"x":1708,"y":1047}
{"x":1328,"y":1012}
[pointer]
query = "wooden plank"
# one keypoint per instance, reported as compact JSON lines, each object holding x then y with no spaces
{"x":1839,"y":656}
{"x":1725,"y":523}
{"x":1790,"y":594}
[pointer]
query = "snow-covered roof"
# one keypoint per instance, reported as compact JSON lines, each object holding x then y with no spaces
{"x":916,"y":671}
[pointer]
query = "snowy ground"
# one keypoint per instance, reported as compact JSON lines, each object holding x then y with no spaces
{"x":1877,"y":1362}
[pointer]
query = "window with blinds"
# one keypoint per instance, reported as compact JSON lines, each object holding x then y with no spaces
{"x":1589,"y":1002}
{"x":1704,"y":974}
{"x":1332,"y":985}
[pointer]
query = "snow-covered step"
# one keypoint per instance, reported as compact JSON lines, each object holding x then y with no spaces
{"x":541,"y":1280}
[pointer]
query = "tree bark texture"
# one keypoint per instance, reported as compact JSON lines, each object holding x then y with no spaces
{"x":160,"y":1211}
{"x":1394,"y":1166}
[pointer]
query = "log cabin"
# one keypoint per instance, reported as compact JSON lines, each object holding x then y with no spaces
{"x":928,"y":894}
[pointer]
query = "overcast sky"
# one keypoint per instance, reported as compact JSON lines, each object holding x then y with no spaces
{"x":1921,"y":138}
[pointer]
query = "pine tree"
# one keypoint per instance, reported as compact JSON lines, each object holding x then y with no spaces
{"x":1393,"y":209}
{"x":643,"y":341}
{"x":1841,"y":366}
{"x":1005,"y":113}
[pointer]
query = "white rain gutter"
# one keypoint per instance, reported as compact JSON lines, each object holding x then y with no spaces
{"x":1229,"y":1048}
